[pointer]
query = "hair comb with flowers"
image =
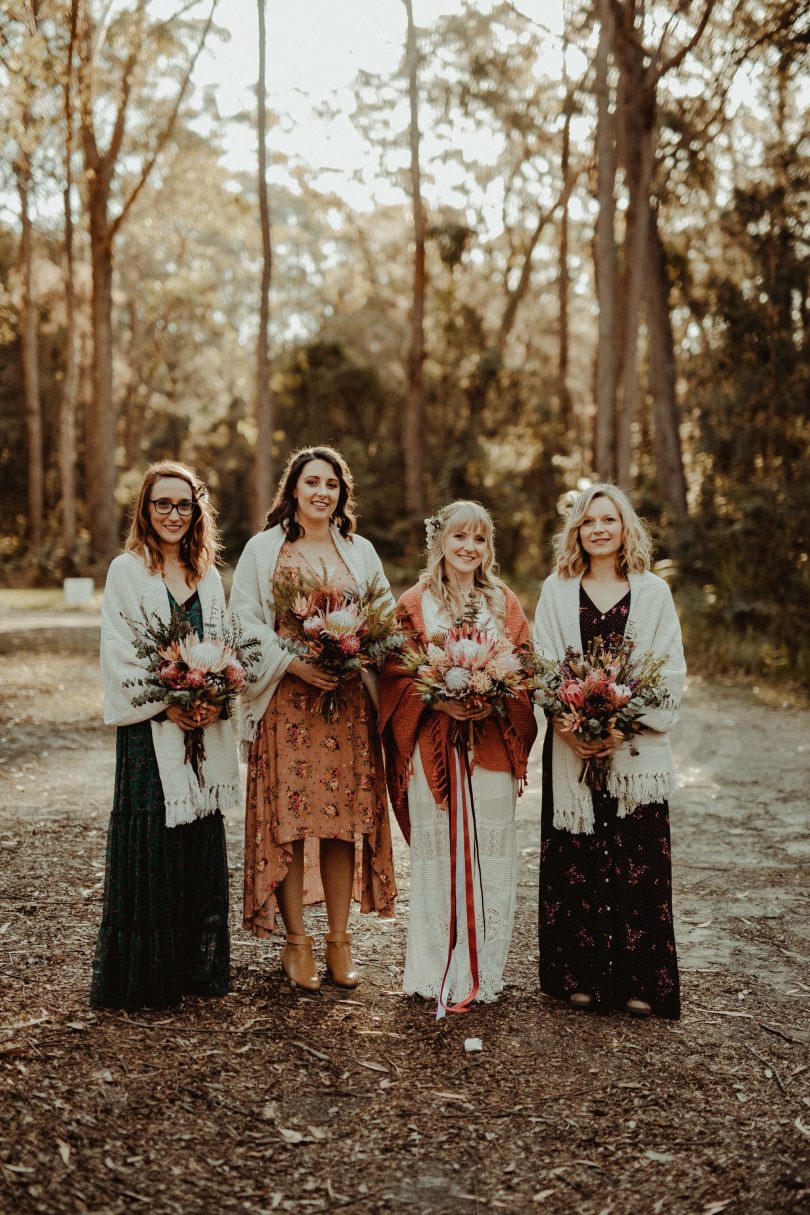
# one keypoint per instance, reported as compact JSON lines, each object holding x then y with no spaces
{"x":433,"y":526}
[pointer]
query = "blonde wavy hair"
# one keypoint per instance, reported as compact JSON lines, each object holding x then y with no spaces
{"x":463,"y":515}
{"x":635,"y":554}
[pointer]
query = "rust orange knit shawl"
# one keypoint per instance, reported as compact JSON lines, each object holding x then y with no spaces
{"x":502,"y":743}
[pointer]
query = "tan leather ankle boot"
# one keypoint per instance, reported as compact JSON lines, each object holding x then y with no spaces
{"x":298,"y":963}
{"x":339,"y":959}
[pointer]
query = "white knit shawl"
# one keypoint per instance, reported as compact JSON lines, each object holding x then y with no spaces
{"x":251,"y":608}
{"x":638,"y":779}
{"x":130,"y":586}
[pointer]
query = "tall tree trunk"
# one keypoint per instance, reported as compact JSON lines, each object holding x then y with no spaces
{"x":662,"y":377}
{"x":67,"y":403}
{"x":638,"y":179}
{"x":99,"y":430}
{"x":605,"y":239}
{"x":100,"y":167}
{"x":263,"y":456}
{"x":29,"y":347}
{"x":413,"y":418}
{"x":564,"y":278}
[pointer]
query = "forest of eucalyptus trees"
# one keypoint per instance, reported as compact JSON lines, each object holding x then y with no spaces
{"x":591,"y":261}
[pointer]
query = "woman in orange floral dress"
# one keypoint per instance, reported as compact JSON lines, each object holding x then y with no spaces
{"x":316,"y":825}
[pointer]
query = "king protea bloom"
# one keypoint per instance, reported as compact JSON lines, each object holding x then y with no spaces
{"x":457,"y":679}
{"x":470,"y":651}
{"x":504,"y":664}
{"x":436,"y":655}
{"x":342,"y":621}
{"x":211,"y":655}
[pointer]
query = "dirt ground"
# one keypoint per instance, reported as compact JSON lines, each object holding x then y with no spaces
{"x":361,"y":1102}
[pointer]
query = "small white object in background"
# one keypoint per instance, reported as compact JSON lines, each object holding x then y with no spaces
{"x":77,"y":591}
{"x":473,"y":1044}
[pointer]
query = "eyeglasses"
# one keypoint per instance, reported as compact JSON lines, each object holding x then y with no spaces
{"x":164,"y":506}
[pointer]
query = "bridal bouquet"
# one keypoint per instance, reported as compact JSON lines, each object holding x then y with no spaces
{"x":341,"y":632}
{"x":600,"y":693}
{"x":469,"y":665}
{"x":190,"y":671}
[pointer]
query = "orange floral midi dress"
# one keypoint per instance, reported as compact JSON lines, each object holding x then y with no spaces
{"x":312,"y":779}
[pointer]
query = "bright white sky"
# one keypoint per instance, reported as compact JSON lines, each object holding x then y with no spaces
{"x":315,"y":50}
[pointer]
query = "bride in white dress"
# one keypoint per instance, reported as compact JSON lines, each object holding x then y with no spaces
{"x":423,"y":763}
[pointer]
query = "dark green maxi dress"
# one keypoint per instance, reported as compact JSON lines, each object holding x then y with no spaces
{"x":164,"y":928}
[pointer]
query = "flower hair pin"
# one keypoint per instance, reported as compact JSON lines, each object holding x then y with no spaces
{"x":433,"y":526}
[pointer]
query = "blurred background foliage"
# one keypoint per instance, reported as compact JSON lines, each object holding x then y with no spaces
{"x":509,"y":405}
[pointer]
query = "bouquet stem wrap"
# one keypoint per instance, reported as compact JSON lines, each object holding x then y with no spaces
{"x":465,"y":864}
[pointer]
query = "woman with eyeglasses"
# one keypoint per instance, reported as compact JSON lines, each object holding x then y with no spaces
{"x":164,"y":929}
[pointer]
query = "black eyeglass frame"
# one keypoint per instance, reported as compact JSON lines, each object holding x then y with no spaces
{"x":184,"y":508}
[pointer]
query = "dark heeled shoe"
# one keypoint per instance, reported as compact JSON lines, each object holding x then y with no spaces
{"x":298,"y":963}
{"x":339,"y":963}
{"x":580,"y":1000}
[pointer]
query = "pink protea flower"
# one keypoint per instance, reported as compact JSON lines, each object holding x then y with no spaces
{"x":303,"y":606}
{"x":350,"y":644}
{"x":170,"y":673}
{"x":619,"y":693}
{"x":596,"y":681}
{"x":572,"y":693}
{"x":235,"y":675}
{"x":312,"y":626}
{"x":195,"y":679}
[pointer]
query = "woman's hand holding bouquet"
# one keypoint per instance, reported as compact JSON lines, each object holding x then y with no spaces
{"x":333,"y":635}
{"x":194,"y":677}
{"x":595,"y":699}
{"x":468,"y":673}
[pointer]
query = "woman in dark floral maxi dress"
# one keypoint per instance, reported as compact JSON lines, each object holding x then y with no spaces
{"x":605,"y":908}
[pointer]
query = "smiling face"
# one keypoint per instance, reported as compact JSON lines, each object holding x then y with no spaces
{"x":174,"y":493}
{"x":464,"y":549}
{"x":601,"y":531}
{"x":316,"y":493}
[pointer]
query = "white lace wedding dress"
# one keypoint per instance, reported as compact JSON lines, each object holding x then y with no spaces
{"x":429,"y":918}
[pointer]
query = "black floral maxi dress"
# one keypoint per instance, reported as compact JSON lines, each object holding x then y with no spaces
{"x":605,"y":914}
{"x":164,"y":929}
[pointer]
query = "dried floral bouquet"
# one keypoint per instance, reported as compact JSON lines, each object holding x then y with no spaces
{"x":340,"y":631}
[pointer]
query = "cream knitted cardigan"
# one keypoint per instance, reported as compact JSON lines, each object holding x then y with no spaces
{"x":131,"y":586}
{"x":638,"y":779}
{"x":251,"y":608}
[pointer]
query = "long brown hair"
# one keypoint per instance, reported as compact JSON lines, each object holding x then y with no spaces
{"x":284,"y":504}
{"x":200,"y":546}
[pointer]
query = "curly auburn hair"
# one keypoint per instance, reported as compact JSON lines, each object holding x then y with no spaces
{"x":635,"y":554}
{"x":199,"y":547}
{"x":463,"y":515}
{"x":284,"y":504}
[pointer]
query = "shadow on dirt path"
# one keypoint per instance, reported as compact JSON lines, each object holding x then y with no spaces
{"x":273,"y":1101}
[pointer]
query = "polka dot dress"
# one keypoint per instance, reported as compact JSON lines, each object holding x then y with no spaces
{"x":605,"y":908}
